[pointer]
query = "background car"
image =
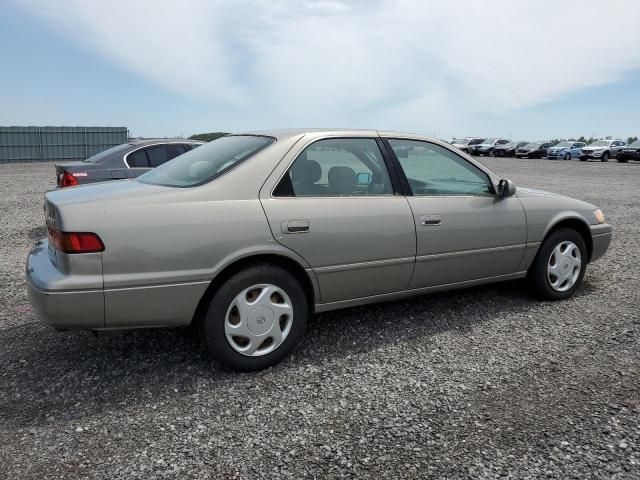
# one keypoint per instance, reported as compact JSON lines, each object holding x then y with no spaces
{"x":122,"y":161}
{"x":565,"y":150}
{"x":466,"y":143}
{"x":507,"y":149}
{"x":629,"y":152}
{"x":602,"y":150}
{"x":533,"y":150}
{"x":487,"y":146}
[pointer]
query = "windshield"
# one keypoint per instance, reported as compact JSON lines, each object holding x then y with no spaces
{"x":635,"y":144}
{"x":106,"y":153}
{"x":564,"y":144}
{"x":461,"y":141}
{"x":207,"y":162}
{"x":533,"y":145}
{"x":476,"y":141}
{"x":489,"y":141}
{"x":600,"y":143}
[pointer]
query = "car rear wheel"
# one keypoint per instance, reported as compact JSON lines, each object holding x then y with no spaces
{"x":567,"y":156}
{"x":605,"y":157}
{"x":256,"y":318}
{"x":560,"y":265}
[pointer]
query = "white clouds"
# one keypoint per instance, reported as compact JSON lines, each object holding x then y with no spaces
{"x":407,"y":64}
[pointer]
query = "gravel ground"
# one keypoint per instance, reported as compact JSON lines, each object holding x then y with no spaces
{"x":479,"y":383}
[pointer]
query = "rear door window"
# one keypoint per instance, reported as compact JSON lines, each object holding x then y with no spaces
{"x":337,"y":167}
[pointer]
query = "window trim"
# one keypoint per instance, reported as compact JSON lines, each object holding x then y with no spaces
{"x":386,"y":159}
{"x":405,"y":182}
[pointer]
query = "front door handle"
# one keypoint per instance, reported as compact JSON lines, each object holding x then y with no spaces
{"x":295,"y":226}
{"x":431,"y":220}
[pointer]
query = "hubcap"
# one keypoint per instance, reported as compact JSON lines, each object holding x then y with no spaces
{"x":563,"y":267}
{"x":258,"y":320}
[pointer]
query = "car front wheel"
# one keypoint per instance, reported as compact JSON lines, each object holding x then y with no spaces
{"x":567,"y":156}
{"x":255,"y":318}
{"x":605,"y":157}
{"x":560,"y":265}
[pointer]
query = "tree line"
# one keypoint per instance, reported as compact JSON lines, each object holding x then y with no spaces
{"x":585,"y":140}
{"x":207,"y":137}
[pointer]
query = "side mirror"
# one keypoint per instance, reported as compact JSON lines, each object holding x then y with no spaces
{"x":506,"y":188}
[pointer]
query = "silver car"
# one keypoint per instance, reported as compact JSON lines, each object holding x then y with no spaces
{"x":249,"y":234}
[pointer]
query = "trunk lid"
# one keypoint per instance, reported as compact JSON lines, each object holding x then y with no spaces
{"x":120,"y":189}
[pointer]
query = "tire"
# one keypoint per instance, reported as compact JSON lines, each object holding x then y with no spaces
{"x":567,"y":156}
{"x":540,"y":275}
{"x":605,"y":157}
{"x":218,"y":325}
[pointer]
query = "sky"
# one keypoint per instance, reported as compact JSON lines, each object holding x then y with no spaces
{"x":521,"y":69}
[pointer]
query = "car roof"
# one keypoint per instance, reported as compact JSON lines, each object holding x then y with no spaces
{"x":281,"y":134}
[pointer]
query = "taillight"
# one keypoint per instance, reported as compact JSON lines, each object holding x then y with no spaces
{"x":67,"y":180}
{"x":75,"y":242}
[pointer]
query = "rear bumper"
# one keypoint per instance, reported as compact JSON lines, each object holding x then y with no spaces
{"x":601,"y":238}
{"x":55,"y":303}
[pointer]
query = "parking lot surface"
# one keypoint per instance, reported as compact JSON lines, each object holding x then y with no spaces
{"x":478,"y":383}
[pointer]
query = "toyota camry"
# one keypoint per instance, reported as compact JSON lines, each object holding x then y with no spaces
{"x":248,"y":235}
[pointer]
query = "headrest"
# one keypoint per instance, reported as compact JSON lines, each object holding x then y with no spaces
{"x":307,"y":171}
{"x":342,"y":180}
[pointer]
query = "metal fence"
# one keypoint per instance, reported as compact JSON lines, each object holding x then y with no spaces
{"x":43,"y":144}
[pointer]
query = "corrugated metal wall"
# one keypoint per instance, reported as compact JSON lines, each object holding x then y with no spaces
{"x":43,"y":144}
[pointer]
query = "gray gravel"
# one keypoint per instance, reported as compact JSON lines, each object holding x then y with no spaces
{"x":480,"y":383}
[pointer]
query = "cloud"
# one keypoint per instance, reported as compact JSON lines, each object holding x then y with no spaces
{"x":391,"y":63}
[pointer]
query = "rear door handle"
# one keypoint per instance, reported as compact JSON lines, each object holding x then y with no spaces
{"x":431,"y":220}
{"x":295,"y":226}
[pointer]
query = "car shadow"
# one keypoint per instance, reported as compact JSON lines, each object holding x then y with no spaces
{"x":66,"y":376}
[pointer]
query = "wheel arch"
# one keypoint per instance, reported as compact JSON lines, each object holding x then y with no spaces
{"x":293,"y":266}
{"x":576,"y":223}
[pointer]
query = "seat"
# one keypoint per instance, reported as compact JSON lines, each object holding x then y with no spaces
{"x":305,"y":175}
{"x":342,"y":180}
